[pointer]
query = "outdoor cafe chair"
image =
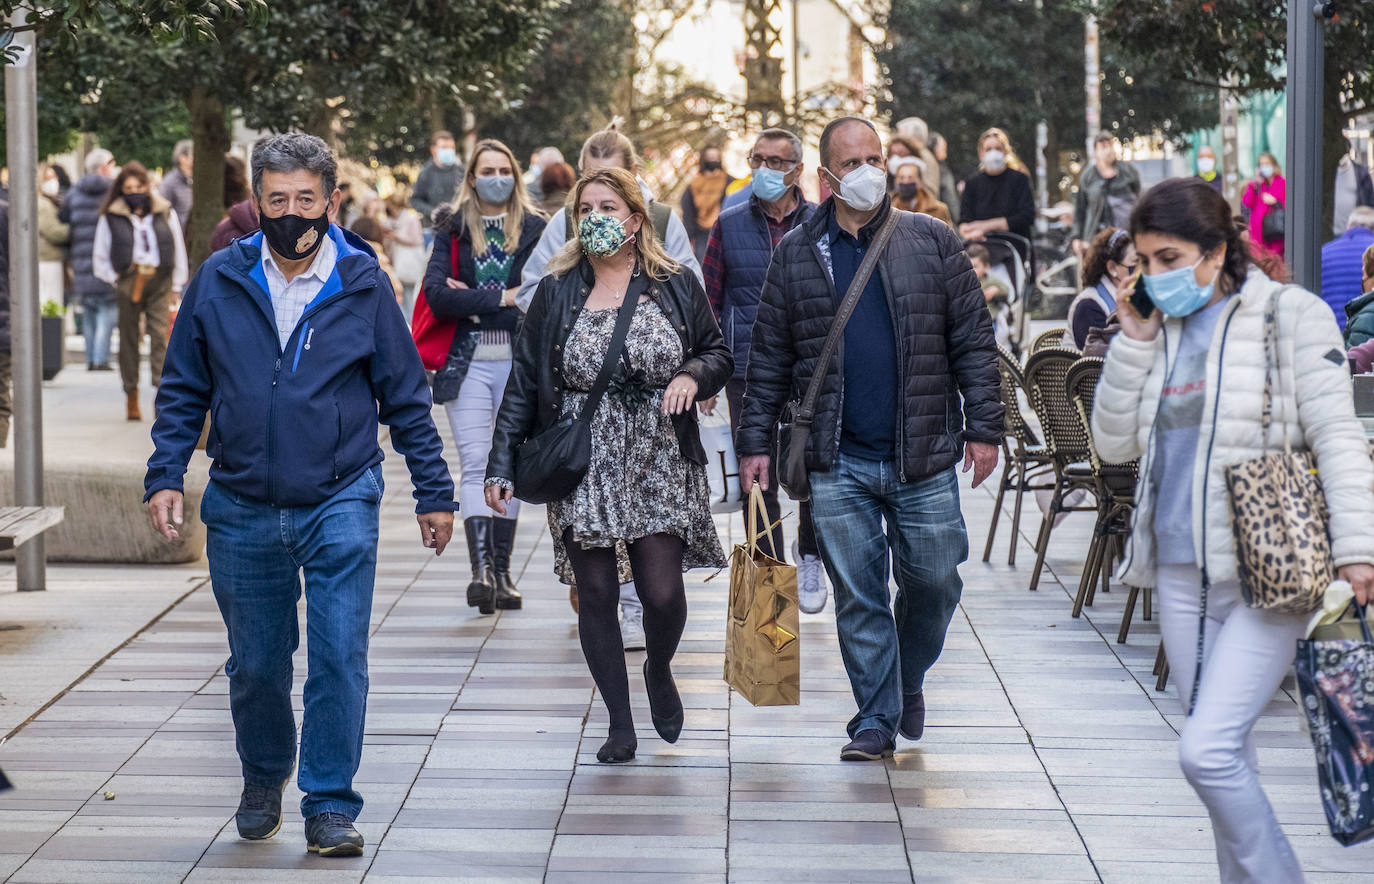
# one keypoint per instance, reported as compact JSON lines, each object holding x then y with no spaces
{"x":1024,"y":459}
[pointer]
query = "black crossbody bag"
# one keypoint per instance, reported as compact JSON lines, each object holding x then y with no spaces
{"x":551,"y":465}
{"x":794,"y":427}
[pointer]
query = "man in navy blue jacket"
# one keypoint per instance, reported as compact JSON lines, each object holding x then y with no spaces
{"x":292,"y":341}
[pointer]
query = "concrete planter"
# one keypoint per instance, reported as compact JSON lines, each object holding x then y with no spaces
{"x":51,"y":328}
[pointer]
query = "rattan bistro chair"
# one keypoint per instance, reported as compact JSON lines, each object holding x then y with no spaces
{"x":1065,"y":436}
{"x":1116,"y":485}
{"x":1048,"y":339}
{"x":1024,"y":459}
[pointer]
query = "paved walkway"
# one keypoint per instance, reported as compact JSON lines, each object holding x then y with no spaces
{"x":1049,"y":755}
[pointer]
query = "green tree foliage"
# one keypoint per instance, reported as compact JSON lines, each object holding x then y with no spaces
{"x":345,"y":70}
{"x":1243,"y":43}
{"x":571,"y":85}
{"x":971,"y":64}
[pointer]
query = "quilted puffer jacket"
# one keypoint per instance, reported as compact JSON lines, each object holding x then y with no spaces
{"x":946,"y":354}
{"x":1313,"y":408}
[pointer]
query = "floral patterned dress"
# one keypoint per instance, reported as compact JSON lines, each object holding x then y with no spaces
{"x":638,"y":483}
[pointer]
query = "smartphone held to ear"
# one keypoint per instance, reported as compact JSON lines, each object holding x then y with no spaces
{"x":1139,"y":300}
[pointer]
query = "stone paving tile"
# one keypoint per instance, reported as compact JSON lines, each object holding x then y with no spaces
{"x":1048,"y":755}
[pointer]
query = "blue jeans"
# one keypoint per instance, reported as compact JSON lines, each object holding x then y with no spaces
{"x":256,"y":553}
{"x":98,"y":317}
{"x":887,"y":651}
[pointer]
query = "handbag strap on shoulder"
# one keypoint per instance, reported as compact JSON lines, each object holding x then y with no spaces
{"x":1271,"y":364}
{"x":851,"y":299}
{"x":623,"y":316}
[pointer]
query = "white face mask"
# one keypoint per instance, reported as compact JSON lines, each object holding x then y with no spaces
{"x":1205,"y":165}
{"x":994,"y":161}
{"x":51,"y":187}
{"x":862,"y":189}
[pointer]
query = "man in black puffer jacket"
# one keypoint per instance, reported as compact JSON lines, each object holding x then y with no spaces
{"x":912,"y":388}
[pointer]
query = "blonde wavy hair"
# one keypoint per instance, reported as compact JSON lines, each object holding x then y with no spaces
{"x":1013,"y":161}
{"x":653,"y":260}
{"x":469,"y":208}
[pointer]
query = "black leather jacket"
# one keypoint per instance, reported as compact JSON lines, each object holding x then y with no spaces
{"x":534,"y":394}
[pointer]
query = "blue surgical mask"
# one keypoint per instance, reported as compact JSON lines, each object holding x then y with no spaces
{"x":494,"y":188}
{"x":1177,"y":293}
{"x":446,"y":156}
{"x":1266,"y":170}
{"x":768,"y":184}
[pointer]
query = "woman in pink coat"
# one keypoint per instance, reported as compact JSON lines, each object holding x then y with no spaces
{"x":1263,"y":195}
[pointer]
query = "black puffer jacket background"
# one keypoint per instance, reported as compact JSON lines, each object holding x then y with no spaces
{"x":945,"y":345}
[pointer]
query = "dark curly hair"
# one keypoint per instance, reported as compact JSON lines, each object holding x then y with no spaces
{"x":1189,"y":209}
{"x":1110,"y":244}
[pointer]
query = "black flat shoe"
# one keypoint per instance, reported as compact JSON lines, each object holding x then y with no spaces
{"x":669,"y":727}
{"x":616,"y":751}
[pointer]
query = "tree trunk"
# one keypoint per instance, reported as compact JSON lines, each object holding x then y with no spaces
{"x":210,"y":132}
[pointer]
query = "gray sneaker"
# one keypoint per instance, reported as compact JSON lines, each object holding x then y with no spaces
{"x":332,"y":834}
{"x":812,"y":590}
{"x":632,"y":627}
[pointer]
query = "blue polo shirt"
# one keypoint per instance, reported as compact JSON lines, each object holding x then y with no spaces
{"x":868,"y":427}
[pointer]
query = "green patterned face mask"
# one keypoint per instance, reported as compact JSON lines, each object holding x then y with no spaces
{"x":602,"y":235}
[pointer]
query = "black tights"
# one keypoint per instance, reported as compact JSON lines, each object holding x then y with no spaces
{"x":656,"y":561}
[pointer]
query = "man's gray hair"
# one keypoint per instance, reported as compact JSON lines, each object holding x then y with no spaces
{"x":97,"y":158}
{"x":184,"y":148}
{"x":1363,"y":216}
{"x":783,"y":135}
{"x":914,"y":128}
{"x":292,"y":152}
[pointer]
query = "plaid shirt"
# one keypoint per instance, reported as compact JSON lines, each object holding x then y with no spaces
{"x":713,"y":265}
{"x":289,"y":299}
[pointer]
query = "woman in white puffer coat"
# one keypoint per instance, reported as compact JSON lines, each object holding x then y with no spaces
{"x":1184,"y":394}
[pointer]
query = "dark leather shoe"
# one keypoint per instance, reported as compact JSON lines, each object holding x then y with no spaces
{"x":867,"y":745}
{"x":332,"y":834}
{"x":482,"y":589}
{"x":618,"y":749}
{"x":502,"y":543}
{"x":259,"y":813}
{"x":667,"y":722}
{"x":913,"y":716}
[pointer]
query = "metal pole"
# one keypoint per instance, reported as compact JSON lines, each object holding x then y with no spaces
{"x":1306,"y":67}
{"x":1230,"y":151}
{"x":21,"y":118}
{"x":1092,"y":85}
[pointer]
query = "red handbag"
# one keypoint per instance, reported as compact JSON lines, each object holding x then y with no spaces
{"x":434,"y":336}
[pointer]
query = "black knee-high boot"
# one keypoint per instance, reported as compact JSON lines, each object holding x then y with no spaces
{"x":482,"y":589}
{"x":502,"y":542}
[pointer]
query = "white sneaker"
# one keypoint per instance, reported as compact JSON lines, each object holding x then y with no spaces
{"x":811,"y":587}
{"x":632,"y":628}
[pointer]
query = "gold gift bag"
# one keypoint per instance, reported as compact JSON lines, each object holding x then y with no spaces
{"x":762,"y":643}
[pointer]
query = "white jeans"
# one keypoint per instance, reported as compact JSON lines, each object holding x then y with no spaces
{"x":1246,"y":655}
{"x":471,"y":417}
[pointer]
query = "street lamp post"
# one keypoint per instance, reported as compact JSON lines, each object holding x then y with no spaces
{"x":1306,"y":67}
{"x":21,"y":124}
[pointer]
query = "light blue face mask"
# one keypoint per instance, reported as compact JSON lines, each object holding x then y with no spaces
{"x":1177,"y":293}
{"x":768,"y":184}
{"x":446,"y":156}
{"x":494,"y":188}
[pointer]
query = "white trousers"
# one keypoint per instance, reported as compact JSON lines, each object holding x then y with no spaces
{"x":1246,"y":655}
{"x":471,"y":417}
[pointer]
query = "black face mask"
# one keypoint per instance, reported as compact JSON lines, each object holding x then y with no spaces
{"x":138,"y":203}
{"x":711,"y":166}
{"x":907,"y":190}
{"x":293,"y":237}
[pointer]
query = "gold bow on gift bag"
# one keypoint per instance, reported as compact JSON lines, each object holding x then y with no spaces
{"x":762,"y":631}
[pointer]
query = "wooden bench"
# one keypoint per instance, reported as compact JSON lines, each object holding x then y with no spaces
{"x":20,"y":524}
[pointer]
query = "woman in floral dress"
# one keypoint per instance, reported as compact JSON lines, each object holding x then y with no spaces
{"x":646,"y":486}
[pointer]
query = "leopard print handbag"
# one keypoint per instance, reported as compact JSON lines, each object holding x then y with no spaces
{"x":1278,"y":514}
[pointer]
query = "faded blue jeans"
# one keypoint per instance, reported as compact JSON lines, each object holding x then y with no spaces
{"x":257,"y":553}
{"x":864,"y":516}
{"x":98,"y":317}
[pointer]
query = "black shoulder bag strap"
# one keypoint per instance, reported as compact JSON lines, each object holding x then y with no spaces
{"x":807,"y":411}
{"x":618,"y":335}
